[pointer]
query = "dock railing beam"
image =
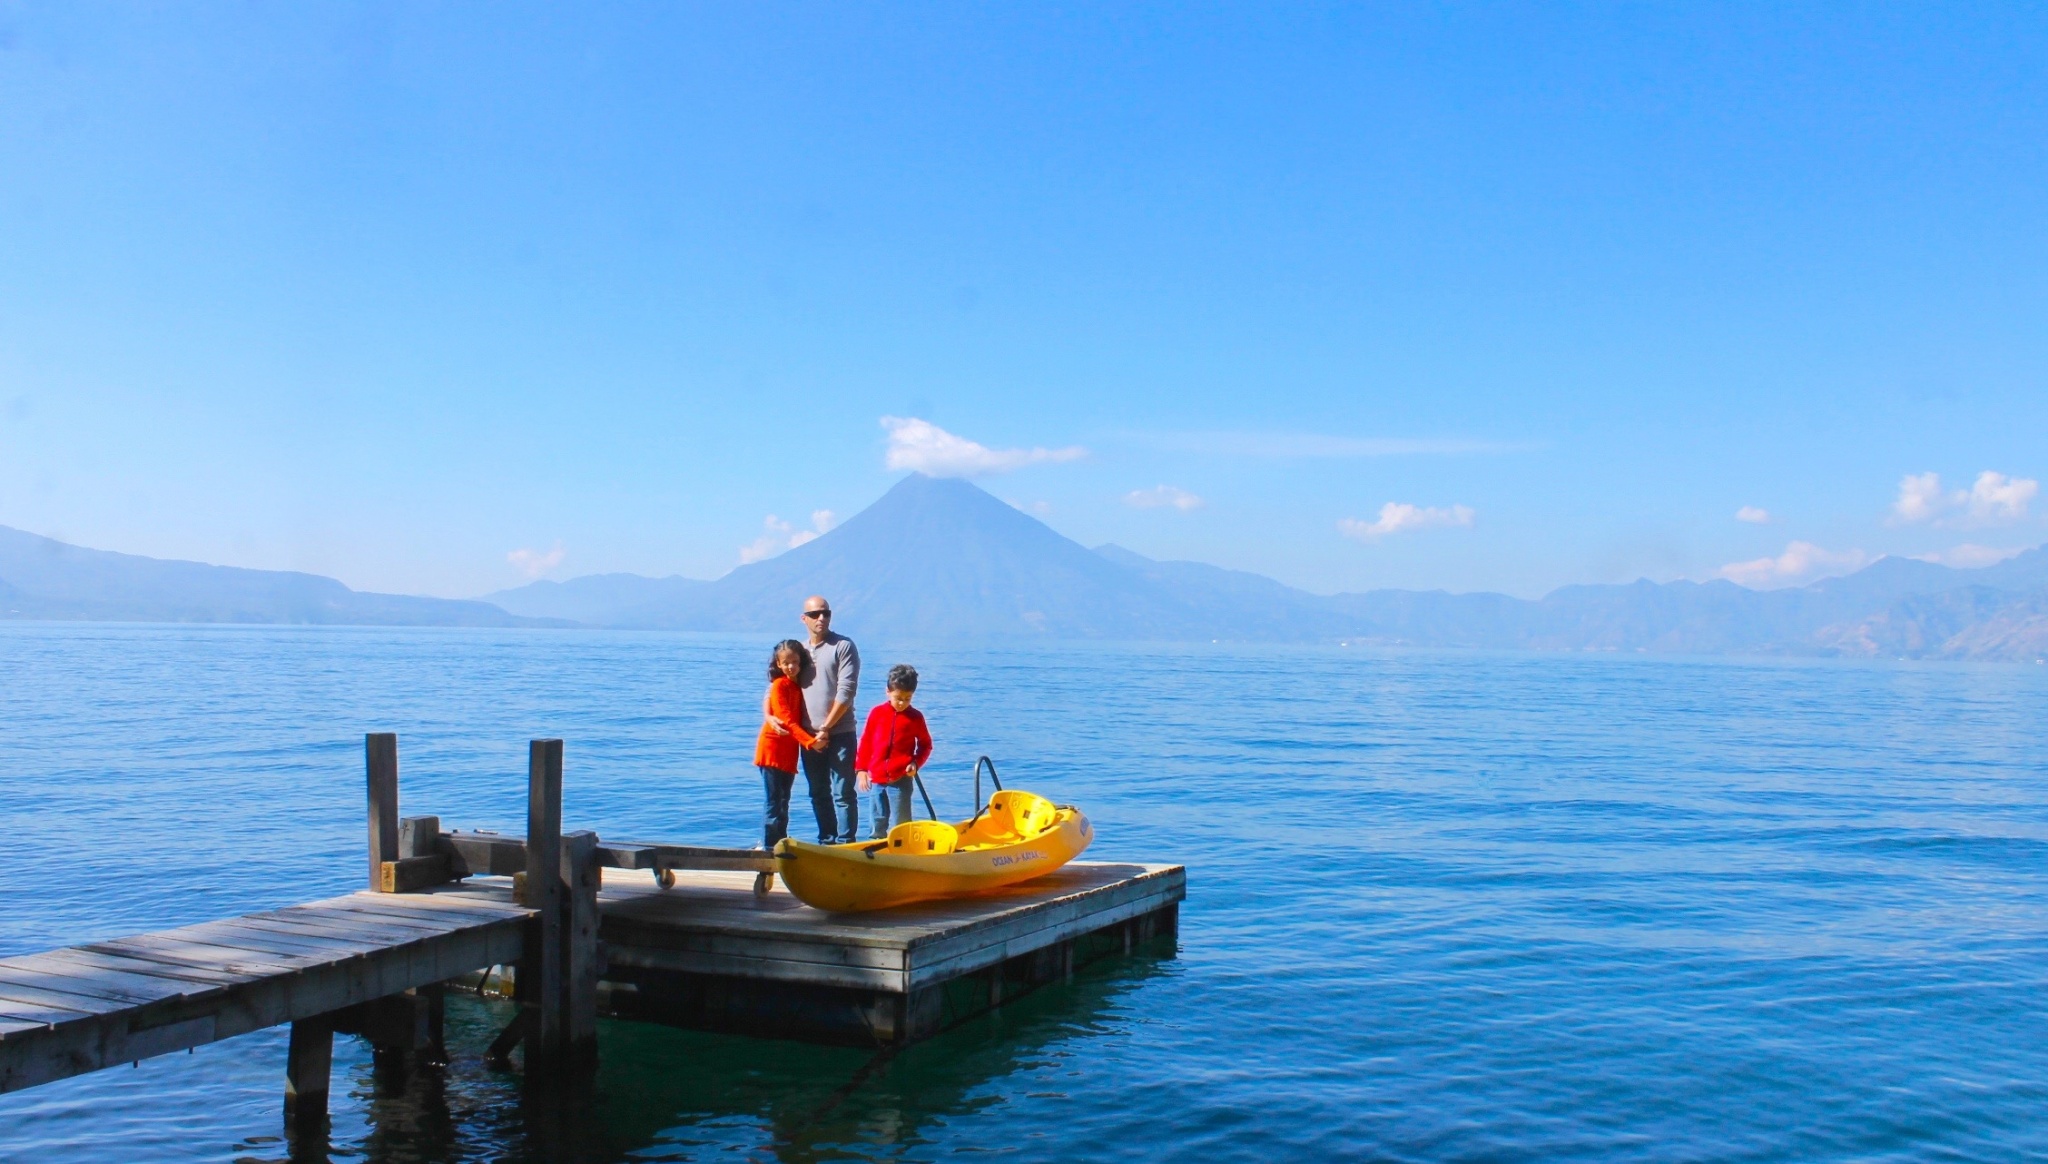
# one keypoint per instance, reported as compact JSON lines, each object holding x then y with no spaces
{"x":539,"y":982}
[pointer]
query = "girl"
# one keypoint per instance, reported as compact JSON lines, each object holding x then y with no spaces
{"x":782,"y":733}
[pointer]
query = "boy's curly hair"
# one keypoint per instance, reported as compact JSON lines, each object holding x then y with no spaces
{"x":903,"y":677}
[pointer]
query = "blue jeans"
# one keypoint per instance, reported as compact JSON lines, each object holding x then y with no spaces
{"x":830,"y":776}
{"x":892,"y":805}
{"x":775,"y":815}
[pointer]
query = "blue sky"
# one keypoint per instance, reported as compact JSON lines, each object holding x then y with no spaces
{"x":434,"y":298}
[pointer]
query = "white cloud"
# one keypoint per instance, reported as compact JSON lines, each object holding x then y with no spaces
{"x":1040,"y":508}
{"x":1801,"y":562}
{"x":1970,"y":557}
{"x":924,"y":447}
{"x":1999,"y":498}
{"x":778,"y":535}
{"x":1163,"y":496}
{"x":1753,"y":515}
{"x":1994,"y":499}
{"x":1400,"y":517}
{"x":533,"y":563}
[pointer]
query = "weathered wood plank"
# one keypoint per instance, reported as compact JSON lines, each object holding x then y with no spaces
{"x":122,"y":1032}
{"x":93,"y":961}
{"x":418,"y":836}
{"x":1001,"y":926}
{"x":380,"y":762}
{"x":624,"y":934}
{"x":648,"y":855}
{"x":41,"y":1016}
{"x":348,"y":915}
{"x":412,"y":874}
{"x":768,"y":969}
{"x":540,"y":970}
{"x":35,"y":973}
{"x":145,"y":948}
{"x":579,"y":944}
{"x":430,"y":906}
{"x":15,"y":994}
{"x":967,"y":961}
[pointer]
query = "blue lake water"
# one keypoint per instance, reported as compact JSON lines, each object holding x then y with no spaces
{"x":1441,"y":906}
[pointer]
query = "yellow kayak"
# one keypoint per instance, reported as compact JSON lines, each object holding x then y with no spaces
{"x":1018,"y":837}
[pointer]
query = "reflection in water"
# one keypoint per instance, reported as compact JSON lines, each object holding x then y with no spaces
{"x":667,"y":1094}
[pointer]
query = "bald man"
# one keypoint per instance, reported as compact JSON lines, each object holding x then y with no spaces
{"x":829,"y":686}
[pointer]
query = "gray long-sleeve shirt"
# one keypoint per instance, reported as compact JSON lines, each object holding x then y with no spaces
{"x":834,"y":675}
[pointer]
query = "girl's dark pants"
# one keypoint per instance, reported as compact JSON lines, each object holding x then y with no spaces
{"x":775,"y":818}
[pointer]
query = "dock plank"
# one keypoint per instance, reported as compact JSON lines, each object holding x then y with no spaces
{"x":147,"y":948}
{"x":94,"y":960}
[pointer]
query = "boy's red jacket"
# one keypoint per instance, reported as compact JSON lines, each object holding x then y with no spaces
{"x":892,"y":741}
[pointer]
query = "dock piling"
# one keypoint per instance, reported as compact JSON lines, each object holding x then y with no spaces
{"x":309,"y":1071}
{"x":538,"y":982}
{"x":580,"y":969}
{"x":380,"y":753}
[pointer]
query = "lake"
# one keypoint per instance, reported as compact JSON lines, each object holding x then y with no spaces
{"x":1441,"y":906}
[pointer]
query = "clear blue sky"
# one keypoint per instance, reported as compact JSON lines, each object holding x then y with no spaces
{"x":389,"y":292}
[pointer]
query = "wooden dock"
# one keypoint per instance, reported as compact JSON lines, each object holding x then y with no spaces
{"x":712,"y":954}
{"x":338,"y":961}
{"x":600,"y":935}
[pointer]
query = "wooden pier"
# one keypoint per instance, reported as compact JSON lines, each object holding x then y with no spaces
{"x":652,"y":931}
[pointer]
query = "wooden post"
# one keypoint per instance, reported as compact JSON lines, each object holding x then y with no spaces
{"x":580,"y":876}
{"x":417,"y":836}
{"x":309,"y":1064}
{"x":539,"y":983}
{"x":380,"y":751}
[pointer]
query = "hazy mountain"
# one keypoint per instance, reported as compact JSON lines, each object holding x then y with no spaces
{"x":941,"y":559}
{"x":932,"y":559}
{"x":596,"y":599}
{"x":44,"y":578}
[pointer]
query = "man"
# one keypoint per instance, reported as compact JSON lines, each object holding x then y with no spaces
{"x":829,"y":686}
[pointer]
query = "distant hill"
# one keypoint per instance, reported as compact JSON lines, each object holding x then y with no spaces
{"x":597,"y":599}
{"x":942,"y":559}
{"x":41,"y":578}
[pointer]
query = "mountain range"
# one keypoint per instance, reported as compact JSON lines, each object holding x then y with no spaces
{"x":42,"y":578}
{"x":939,"y":559}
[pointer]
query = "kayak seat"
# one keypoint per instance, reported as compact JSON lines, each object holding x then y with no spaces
{"x":923,"y":838}
{"x":1019,"y":815}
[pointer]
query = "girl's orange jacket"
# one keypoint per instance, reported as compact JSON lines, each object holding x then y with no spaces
{"x":786,"y":703}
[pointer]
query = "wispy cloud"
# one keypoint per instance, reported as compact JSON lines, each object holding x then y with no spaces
{"x":778,"y":535}
{"x":1400,"y":517}
{"x":1971,"y":557}
{"x":1163,"y":497}
{"x":924,"y":447}
{"x":1309,"y":444}
{"x":533,"y":563}
{"x":1753,"y":515}
{"x":1801,"y":562}
{"x":1994,"y":499}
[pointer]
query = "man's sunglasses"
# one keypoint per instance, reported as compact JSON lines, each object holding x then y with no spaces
{"x":817,"y":614}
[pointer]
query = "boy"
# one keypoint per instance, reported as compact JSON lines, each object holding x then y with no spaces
{"x":892,"y":749}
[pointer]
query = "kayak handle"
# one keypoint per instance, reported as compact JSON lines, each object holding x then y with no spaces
{"x":919,"y":778}
{"x":981,"y":806}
